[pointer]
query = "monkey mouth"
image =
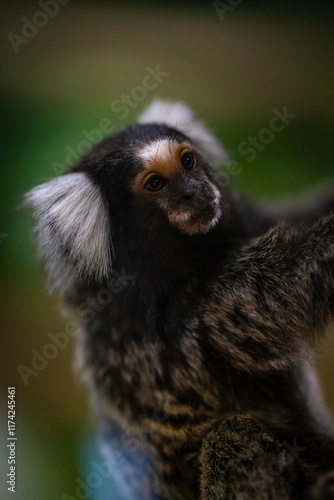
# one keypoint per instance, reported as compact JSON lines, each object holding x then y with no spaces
{"x":193,"y":224}
{"x":197,"y":219}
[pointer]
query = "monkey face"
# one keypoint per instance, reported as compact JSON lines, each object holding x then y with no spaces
{"x":125,"y":190}
{"x":173,"y":180}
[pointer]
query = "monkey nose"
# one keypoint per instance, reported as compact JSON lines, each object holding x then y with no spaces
{"x":188,"y":195}
{"x":194,"y":199}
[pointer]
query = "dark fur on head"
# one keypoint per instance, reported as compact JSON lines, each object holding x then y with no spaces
{"x":199,"y":314}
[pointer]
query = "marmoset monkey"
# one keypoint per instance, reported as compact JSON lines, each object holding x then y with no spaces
{"x":199,"y":315}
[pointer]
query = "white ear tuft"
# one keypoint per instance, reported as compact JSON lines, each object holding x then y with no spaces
{"x":179,"y":116}
{"x":73,"y":230}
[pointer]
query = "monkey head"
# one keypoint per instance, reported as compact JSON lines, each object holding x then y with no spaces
{"x":156,"y":175}
{"x":173,"y":180}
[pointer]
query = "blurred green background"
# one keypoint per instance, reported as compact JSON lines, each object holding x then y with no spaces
{"x":62,"y":82}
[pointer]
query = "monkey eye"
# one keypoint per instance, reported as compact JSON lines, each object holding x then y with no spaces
{"x":188,"y":160}
{"x":155,"y":183}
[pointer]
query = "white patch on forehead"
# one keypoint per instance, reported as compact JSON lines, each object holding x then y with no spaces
{"x":158,"y":150}
{"x":179,"y":116}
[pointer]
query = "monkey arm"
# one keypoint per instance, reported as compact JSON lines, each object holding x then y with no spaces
{"x":273,"y":299}
{"x":240,"y":459}
{"x":258,"y":218}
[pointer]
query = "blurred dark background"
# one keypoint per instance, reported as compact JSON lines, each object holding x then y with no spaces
{"x":233,"y":65}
